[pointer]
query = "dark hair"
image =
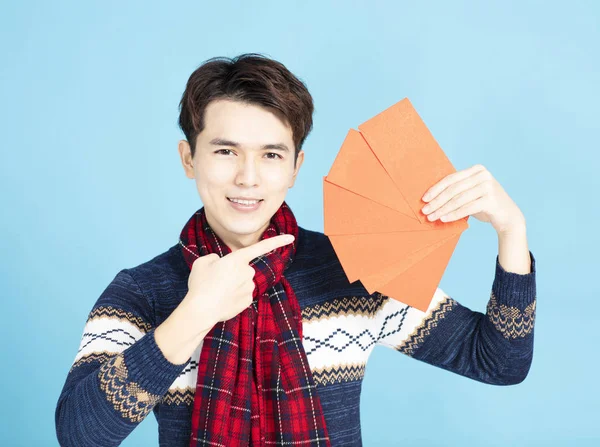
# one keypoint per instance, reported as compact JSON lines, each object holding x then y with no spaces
{"x":251,"y":78}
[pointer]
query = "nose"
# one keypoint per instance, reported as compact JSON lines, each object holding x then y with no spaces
{"x":247,"y":173}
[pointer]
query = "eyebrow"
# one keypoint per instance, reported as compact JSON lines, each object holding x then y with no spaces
{"x":223,"y":142}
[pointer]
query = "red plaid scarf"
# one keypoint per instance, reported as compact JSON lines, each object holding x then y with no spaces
{"x":255,"y":386}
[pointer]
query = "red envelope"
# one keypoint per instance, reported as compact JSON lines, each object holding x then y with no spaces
{"x":372,"y":207}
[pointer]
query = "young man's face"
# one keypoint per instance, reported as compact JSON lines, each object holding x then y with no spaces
{"x":223,"y":170}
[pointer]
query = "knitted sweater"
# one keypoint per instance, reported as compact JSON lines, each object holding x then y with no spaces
{"x":120,"y":375}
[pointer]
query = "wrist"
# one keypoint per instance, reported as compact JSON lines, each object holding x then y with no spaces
{"x":518,"y":228}
{"x":181,"y":333}
{"x":191,"y":316}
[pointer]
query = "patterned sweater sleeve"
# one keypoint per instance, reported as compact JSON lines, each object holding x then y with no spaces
{"x":494,"y":348}
{"x":119,"y":373}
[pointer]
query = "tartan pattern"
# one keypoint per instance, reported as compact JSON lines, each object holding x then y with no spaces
{"x":254,"y":385}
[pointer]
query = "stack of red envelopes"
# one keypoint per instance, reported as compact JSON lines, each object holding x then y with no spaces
{"x":372,"y":207}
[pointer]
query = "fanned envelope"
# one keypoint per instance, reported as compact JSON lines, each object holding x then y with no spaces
{"x":372,"y":207}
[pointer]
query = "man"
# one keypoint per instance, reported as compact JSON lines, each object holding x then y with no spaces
{"x":241,"y":335}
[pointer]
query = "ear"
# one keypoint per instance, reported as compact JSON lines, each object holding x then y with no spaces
{"x":185,"y":154}
{"x":299,"y":161}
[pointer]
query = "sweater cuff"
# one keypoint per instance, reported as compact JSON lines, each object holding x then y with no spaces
{"x":515,"y":289}
{"x":148,"y":366}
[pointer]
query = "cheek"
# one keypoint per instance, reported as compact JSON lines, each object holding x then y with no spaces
{"x":277,"y":178}
{"x":214,"y":177}
{"x":278,"y":183}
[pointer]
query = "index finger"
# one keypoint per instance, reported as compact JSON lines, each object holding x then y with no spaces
{"x":262,"y":247}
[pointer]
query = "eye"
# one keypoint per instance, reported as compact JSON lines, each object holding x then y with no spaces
{"x":279,"y":156}
{"x":268,"y":153}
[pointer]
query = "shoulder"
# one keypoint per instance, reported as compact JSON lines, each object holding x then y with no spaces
{"x":168,"y":263}
{"x":154,"y":286}
{"x":316,"y":266}
{"x":314,"y":243}
{"x":164,"y":271}
{"x":314,"y":250}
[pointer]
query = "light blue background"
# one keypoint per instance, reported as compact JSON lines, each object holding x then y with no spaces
{"x":91,"y":180}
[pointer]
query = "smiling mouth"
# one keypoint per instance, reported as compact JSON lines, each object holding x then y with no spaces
{"x":245,"y":202}
{"x":245,"y":207}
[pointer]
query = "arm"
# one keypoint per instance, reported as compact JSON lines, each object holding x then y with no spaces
{"x":494,"y":348}
{"x":119,"y":373}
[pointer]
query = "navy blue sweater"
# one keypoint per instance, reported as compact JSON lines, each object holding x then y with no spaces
{"x":119,"y":374}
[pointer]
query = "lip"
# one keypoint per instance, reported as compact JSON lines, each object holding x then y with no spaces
{"x":244,"y":208}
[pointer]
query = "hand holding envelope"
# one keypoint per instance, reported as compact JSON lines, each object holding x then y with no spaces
{"x":372,"y":207}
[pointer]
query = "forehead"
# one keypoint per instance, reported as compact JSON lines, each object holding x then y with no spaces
{"x":245,"y":123}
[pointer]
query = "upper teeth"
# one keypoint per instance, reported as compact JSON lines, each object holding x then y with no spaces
{"x":245,"y":202}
